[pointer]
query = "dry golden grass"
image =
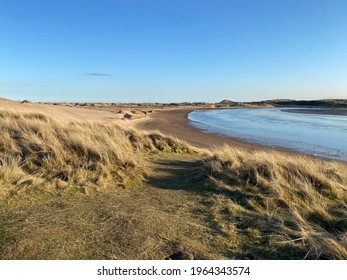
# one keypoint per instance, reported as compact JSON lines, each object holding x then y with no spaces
{"x":78,"y":190}
{"x":151,"y":221}
{"x":74,"y":190}
{"x":39,"y":152}
{"x":278,"y":206}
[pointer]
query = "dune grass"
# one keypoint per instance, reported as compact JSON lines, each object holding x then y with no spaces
{"x":38,"y":152}
{"x":283,"y":207}
{"x":79,"y":190}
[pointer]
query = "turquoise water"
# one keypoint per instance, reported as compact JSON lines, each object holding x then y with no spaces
{"x":321,"y":135}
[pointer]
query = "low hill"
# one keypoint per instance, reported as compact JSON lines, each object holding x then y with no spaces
{"x":310,"y":103}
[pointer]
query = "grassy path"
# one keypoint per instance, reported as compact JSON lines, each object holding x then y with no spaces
{"x":175,"y":209}
{"x":169,"y":212}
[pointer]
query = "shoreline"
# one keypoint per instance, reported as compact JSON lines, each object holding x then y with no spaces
{"x":176,"y":123}
{"x":172,"y":122}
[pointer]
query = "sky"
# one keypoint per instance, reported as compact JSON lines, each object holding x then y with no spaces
{"x":172,"y":50}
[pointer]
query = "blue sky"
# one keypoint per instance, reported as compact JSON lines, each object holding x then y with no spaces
{"x":172,"y":50}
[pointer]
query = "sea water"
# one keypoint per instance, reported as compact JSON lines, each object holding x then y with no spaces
{"x":317,"y":134}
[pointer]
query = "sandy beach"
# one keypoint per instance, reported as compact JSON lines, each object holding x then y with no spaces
{"x":176,"y":123}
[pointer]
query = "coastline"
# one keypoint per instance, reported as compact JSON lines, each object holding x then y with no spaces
{"x":176,"y":123}
{"x":172,"y":122}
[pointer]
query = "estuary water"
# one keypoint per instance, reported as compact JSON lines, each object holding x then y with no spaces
{"x":321,"y":135}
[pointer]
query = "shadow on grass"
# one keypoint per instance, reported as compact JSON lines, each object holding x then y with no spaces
{"x":178,"y":175}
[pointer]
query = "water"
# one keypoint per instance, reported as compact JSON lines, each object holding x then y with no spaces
{"x":321,"y":135}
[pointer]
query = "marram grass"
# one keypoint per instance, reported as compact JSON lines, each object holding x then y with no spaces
{"x":39,"y":152}
{"x":286,"y":207}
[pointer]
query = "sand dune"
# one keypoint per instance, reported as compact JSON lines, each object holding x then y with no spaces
{"x":69,"y":113}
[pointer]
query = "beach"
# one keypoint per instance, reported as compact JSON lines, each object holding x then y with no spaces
{"x":173,"y":122}
{"x":176,"y":123}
